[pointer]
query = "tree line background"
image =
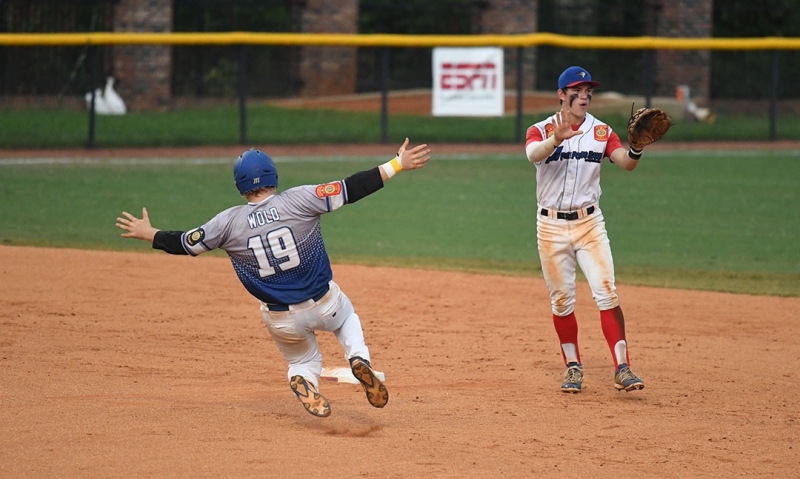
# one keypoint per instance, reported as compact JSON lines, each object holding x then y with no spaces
{"x":211,"y":71}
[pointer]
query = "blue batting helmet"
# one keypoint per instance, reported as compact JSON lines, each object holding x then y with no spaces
{"x":254,"y":169}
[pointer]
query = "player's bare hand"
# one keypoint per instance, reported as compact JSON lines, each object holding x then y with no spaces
{"x":415,"y":157}
{"x":138,"y":228}
{"x":562,"y":128}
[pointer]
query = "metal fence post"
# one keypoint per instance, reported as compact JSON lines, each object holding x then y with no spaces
{"x":773,"y":97}
{"x":242,"y":87}
{"x":384,"y":95}
{"x":93,"y":85}
{"x":520,"y":92}
{"x":650,"y":78}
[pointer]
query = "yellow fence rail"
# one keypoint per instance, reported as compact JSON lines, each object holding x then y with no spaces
{"x":386,"y":40}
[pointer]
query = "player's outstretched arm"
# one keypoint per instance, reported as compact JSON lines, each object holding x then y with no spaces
{"x":138,"y":228}
{"x":364,"y":183}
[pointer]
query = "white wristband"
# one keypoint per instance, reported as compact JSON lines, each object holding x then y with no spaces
{"x":392,"y":167}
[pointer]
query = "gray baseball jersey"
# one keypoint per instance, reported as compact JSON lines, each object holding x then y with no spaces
{"x":275,"y":246}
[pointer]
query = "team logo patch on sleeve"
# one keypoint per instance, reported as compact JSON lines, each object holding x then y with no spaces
{"x":549,"y":130}
{"x":329,"y":189}
{"x":601,"y":133}
{"x":195,"y":237}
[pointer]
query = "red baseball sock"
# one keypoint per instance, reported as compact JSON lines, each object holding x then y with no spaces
{"x":567,"y":330}
{"x":613,"y":323}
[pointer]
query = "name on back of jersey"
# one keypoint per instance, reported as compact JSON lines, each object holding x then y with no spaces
{"x":263,"y":217}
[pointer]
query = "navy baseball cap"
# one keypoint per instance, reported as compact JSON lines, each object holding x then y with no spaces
{"x":575,"y":75}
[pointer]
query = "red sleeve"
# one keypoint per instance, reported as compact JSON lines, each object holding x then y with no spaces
{"x":533,"y":135}
{"x":612,"y":144}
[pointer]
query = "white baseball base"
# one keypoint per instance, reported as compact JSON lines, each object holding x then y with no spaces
{"x":344,"y":375}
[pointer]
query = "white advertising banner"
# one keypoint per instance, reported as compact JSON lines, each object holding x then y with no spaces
{"x":468,"y":82}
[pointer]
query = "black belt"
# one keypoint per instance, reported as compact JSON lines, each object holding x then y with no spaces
{"x":285,"y":307}
{"x":569,"y":216}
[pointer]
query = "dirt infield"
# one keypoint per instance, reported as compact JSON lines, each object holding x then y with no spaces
{"x":131,"y":365}
{"x":147,"y":365}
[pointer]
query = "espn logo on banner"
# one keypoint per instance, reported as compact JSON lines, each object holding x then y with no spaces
{"x":468,"y":82}
{"x":468,"y":76}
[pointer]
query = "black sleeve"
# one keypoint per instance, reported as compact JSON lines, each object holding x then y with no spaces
{"x":362,"y":184}
{"x":169,"y":241}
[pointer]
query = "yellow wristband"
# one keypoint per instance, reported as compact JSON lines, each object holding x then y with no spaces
{"x":392,"y":167}
{"x":396,"y":164}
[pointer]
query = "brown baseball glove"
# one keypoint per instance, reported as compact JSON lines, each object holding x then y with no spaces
{"x":647,"y":126}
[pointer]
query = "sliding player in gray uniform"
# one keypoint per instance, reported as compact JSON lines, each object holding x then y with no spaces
{"x":276,"y":248}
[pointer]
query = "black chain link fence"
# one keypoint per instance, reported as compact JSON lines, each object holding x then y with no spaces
{"x":272,"y":71}
{"x":50,"y":70}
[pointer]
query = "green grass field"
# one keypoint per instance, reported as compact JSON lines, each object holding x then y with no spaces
{"x":722,"y":221}
{"x":273,"y":125}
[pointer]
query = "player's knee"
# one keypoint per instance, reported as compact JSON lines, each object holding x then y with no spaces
{"x":607,"y":302}
{"x":563,"y":308}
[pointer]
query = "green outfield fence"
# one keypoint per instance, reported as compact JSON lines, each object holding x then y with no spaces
{"x":384,"y":42}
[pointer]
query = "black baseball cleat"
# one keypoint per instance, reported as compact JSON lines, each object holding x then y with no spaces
{"x":377,"y":395}
{"x":314,"y":402}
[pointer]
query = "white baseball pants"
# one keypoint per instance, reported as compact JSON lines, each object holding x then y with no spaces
{"x":294,"y":332}
{"x":562,"y":244}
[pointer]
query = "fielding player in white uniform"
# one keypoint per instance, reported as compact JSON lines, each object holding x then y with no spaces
{"x":276,"y":248}
{"x":568,"y":149}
